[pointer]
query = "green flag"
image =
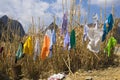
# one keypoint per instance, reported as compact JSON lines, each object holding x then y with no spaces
{"x":72,"y":39}
{"x":111,"y":44}
{"x":19,"y":51}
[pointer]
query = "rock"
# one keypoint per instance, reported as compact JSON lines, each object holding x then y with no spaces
{"x":52,"y":26}
{"x":88,"y":78}
{"x":89,"y":71}
{"x":10,"y":27}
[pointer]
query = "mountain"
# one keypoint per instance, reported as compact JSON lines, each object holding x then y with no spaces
{"x":51,"y":27}
{"x":10,"y":27}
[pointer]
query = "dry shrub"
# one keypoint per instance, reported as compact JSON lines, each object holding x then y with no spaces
{"x":80,"y":57}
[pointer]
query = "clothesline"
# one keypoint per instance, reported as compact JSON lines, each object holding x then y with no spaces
{"x":95,"y":35}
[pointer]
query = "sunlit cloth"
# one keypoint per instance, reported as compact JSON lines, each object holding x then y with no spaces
{"x":66,"y":40}
{"x":58,"y":76}
{"x":110,"y":22}
{"x":52,"y":41}
{"x":105,"y":31}
{"x":46,"y":45}
{"x":28,"y":47}
{"x":95,"y":19}
{"x":94,"y":36}
{"x":110,"y":45}
{"x":86,"y":28}
{"x":52,"y":38}
{"x":64,"y":24}
{"x":72,"y":39}
{"x":36,"y":49}
{"x":19,"y":53}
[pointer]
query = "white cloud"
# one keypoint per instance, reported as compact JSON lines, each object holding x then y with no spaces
{"x":23,"y":10}
{"x":58,"y":9}
{"x":108,"y":2}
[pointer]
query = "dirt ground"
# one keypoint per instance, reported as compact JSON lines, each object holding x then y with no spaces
{"x":111,"y":73}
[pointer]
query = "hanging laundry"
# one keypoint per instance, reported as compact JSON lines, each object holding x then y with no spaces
{"x":64,"y":24}
{"x":1,"y":49}
{"x":66,"y":40}
{"x":105,"y":31}
{"x":94,"y":36}
{"x":72,"y":39}
{"x":54,"y":37}
{"x":36,"y":49}
{"x":86,"y":28}
{"x":110,"y":22}
{"x":59,"y":76}
{"x":96,"y":25}
{"x":28,"y":47}
{"x":46,"y":45}
{"x":52,"y":41}
{"x":110,"y":45}
{"x":19,"y":53}
{"x":95,"y":19}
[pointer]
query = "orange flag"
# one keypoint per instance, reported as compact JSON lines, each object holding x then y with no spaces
{"x":45,"y":49}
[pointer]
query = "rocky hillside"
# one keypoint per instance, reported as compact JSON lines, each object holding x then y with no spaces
{"x":10,"y":27}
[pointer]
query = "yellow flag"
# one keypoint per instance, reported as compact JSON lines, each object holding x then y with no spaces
{"x":28,"y":47}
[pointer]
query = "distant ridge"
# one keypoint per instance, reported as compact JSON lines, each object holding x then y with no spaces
{"x":10,"y":26}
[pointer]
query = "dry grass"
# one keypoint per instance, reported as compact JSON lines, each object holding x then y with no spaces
{"x":78,"y":58}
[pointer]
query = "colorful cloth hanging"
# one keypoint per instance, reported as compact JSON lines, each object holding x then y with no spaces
{"x":95,"y":19}
{"x":72,"y":39}
{"x":105,"y":31}
{"x":36,"y":49}
{"x":64,"y":24}
{"x":52,"y":41}
{"x":110,"y":22}
{"x":110,"y":45}
{"x":86,"y":28}
{"x":66,"y":40}
{"x":28,"y":47}
{"x":19,"y":53}
{"x":46,"y":45}
{"x":94,"y":36}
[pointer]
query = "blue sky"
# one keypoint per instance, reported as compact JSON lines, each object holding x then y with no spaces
{"x":24,"y":10}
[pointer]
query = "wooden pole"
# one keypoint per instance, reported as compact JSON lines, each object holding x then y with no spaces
{"x":63,"y":6}
{"x":88,"y":10}
{"x":105,"y":11}
{"x":79,"y":11}
{"x":101,"y":15}
{"x":113,"y":12}
{"x":39,"y":26}
{"x":54,"y":21}
{"x":32,"y":26}
{"x":66,"y":4}
{"x":43,"y":24}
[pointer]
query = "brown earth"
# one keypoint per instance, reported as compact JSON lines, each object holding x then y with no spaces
{"x":111,"y":73}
